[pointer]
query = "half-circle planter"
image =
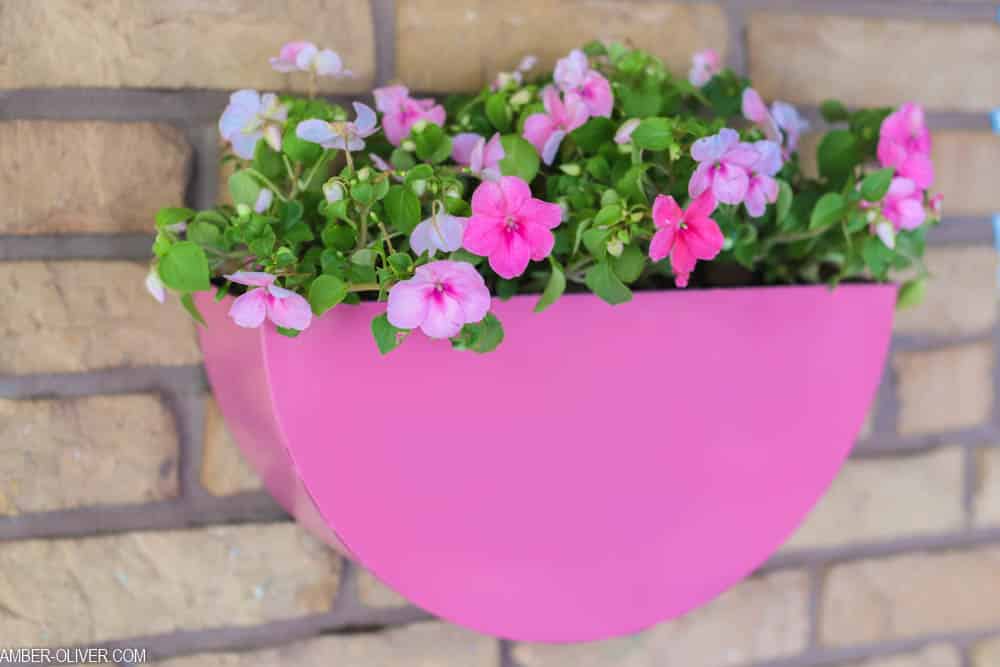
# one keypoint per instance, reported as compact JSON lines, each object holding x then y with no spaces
{"x":605,"y":469}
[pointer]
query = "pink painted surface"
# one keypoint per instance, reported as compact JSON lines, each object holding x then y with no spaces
{"x":604,"y":470}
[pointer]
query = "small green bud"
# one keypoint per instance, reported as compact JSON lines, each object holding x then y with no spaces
{"x":520,"y":98}
{"x":637,"y":216}
{"x":243,"y":211}
{"x":408,"y":146}
{"x":419,"y":126}
{"x":419,"y":187}
{"x":624,"y":236}
{"x":615,"y":247}
{"x":453,"y":193}
{"x":570,"y":169}
{"x":364,"y":173}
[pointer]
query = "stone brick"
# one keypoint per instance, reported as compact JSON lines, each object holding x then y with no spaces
{"x":63,"y":317}
{"x":966,"y":170}
{"x":98,"y":450}
{"x":961,"y":297}
{"x":178,"y":43}
{"x":944,"y":389}
{"x":874,"y":61}
{"x":417,"y":645}
{"x":986,"y":654}
{"x":374,"y":593}
{"x":224,"y":469}
{"x":910,"y":595}
{"x":79,"y":591}
{"x":986,"y":506}
{"x":92,"y":185}
{"x":936,"y":655}
{"x":881,"y":499}
{"x":761,"y":619}
{"x":461,"y":45}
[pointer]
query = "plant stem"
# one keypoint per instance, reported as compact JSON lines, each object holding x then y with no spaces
{"x":312,"y":172}
{"x":266,"y":181}
{"x":364,"y":287}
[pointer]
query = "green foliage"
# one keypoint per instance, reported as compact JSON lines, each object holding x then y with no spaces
{"x":483,"y":336}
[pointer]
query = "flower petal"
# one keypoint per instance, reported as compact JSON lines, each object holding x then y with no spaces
{"x":729,"y":183}
{"x":444,"y":317}
{"x":666,"y":212}
{"x":511,"y":256}
{"x":253,"y":278}
{"x":462,"y":145}
{"x":291,"y":311}
{"x":483,"y":234}
{"x":515,"y":193}
{"x":366,"y":120}
{"x":250,"y":309}
{"x":662,"y":243}
{"x":328,"y":63}
{"x":551,"y":146}
{"x":407,"y":305}
{"x":703,"y":238}
{"x":539,"y":239}
{"x":538,"y":127}
{"x":315,"y":130}
{"x":540,"y":212}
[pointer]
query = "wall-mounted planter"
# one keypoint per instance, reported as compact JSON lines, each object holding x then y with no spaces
{"x":605,"y":469}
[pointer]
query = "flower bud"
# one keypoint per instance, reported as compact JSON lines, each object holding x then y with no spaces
{"x":624,"y":236}
{"x":637,"y":216}
{"x":408,"y":146}
{"x":419,"y":187}
{"x":419,"y":126}
{"x":615,"y":247}
{"x":242,"y":210}
{"x":453,"y":192}
{"x":272,"y":135}
{"x":570,"y":169}
{"x":333,"y":191}
{"x":364,"y":173}
{"x":520,"y":98}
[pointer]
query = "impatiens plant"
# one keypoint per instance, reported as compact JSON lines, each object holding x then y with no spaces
{"x":608,"y":175}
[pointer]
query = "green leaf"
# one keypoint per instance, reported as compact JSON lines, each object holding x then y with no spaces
{"x":911,"y":293}
{"x":387,"y":337}
{"x":655,"y":134}
{"x":784,"y":203}
{"x":520,"y":158}
{"x":363,"y":193}
{"x":421,"y":172}
{"x":433,"y":145}
{"x":596,"y":242}
{"x":326,"y":292}
{"x":641,"y":102}
{"x":594,"y":134}
{"x":288,"y":333}
{"x":188,"y":302}
{"x":833,"y":111}
{"x":299,"y":150}
{"x":629,"y":265}
{"x":401,"y":263}
{"x":267,"y":161}
{"x":204,"y":233}
{"x":554,"y":288}
{"x":876,"y":256}
{"x":827,"y":211}
{"x":603,"y":282}
{"x":184,"y":268}
{"x":402,"y":208}
{"x":837,"y":156}
{"x":876,"y":184}
{"x":498,"y":111}
{"x":171,"y":216}
{"x":483,"y":336}
{"x":244,"y":188}
{"x":608,"y":215}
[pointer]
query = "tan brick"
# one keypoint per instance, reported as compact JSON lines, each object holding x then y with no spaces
{"x":79,"y":591}
{"x":77,"y":316}
{"x":987,"y":654}
{"x":881,"y":499}
{"x":944,"y":389}
{"x":98,"y":450}
{"x":986,"y":506}
{"x":178,"y":43}
{"x":874,"y":61}
{"x":224,"y":469}
{"x":911,"y":595}
{"x":98,"y":187}
{"x":374,"y":593}
{"x":461,"y":45}
{"x":966,"y":170}
{"x":961,"y":295}
{"x":417,"y":645}
{"x":936,"y":655}
{"x":761,"y":619}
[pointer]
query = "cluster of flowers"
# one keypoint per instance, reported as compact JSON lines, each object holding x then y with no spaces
{"x":610,"y":141}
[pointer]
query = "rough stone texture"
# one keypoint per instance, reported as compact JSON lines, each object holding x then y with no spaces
{"x":97,"y":450}
{"x":224,"y":470}
{"x":417,"y":645}
{"x":98,"y":177}
{"x":967,"y":168}
{"x":760,"y":619}
{"x":373,"y":593}
{"x":68,"y":592}
{"x":178,"y":43}
{"x":880,"y":499}
{"x":874,"y":61}
{"x":961,"y":297}
{"x":461,"y":45}
{"x":986,"y":505}
{"x":944,"y":389}
{"x":936,"y":655}
{"x":911,"y":595}
{"x":75,"y":316}
{"x":986,"y":654}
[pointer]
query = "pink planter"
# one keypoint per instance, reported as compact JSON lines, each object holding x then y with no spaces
{"x":604,"y":470}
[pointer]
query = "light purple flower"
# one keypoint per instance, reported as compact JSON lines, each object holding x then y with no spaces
{"x":249,"y":117}
{"x":762,"y":189}
{"x":781,"y":124}
{"x":792,"y":124}
{"x":333,"y":191}
{"x":481,"y":156}
{"x":440,"y":298}
{"x":723,"y":168}
{"x":340,"y":134}
{"x":283,"y":307}
{"x":624,"y":133}
{"x":306,"y":57}
{"x":441,"y":232}
{"x":264,"y":199}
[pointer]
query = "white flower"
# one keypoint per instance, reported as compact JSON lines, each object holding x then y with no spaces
{"x":306,"y":57}
{"x":441,"y":231}
{"x":340,"y":135}
{"x":249,"y":117}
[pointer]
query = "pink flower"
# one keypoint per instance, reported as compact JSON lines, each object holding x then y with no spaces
{"x":481,"y":156}
{"x":440,"y":298}
{"x":516,"y":77}
{"x":723,"y":166}
{"x":441,"y":231}
{"x":791,"y":123}
{"x":686,"y":236}
{"x":249,"y":117}
{"x":305,"y":57}
{"x":903,"y":204}
{"x":546,"y":130}
{"x":509,"y":226}
{"x":401,"y":112}
{"x":340,"y":135}
{"x":755,"y":110}
{"x":283,"y":307}
{"x":762,"y":188}
{"x":704,"y":65}
{"x":573,"y":75}
{"x":936,"y":204}
{"x":624,"y":133}
{"x":905,"y":143}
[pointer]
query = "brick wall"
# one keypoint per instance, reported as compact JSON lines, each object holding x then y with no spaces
{"x":127,"y":518}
